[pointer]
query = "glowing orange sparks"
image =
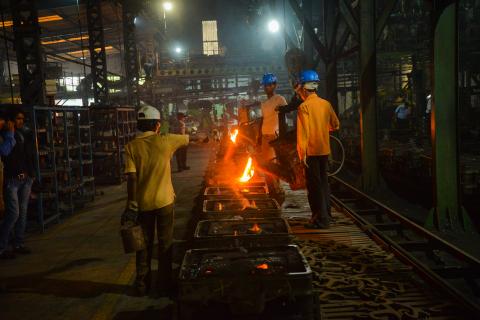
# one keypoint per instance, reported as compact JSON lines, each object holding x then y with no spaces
{"x":262,"y":266}
{"x":248,"y":172}
{"x":233,"y":136}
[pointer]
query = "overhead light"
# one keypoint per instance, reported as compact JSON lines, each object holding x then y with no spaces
{"x":168,"y":6}
{"x":43,"y":19}
{"x":48,"y":42}
{"x":87,"y":52}
{"x":273,"y":26}
{"x":178,"y":50}
{"x":135,"y":20}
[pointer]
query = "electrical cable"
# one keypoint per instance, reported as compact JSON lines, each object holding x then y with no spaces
{"x":342,"y":152}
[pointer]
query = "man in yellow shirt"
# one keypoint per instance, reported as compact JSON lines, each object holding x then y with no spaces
{"x":151,"y":195}
{"x":315,"y":120}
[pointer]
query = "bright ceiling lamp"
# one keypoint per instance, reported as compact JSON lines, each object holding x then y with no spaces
{"x":168,"y":6}
{"x":273,"y":26}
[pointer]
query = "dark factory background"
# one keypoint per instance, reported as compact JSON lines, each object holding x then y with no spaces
{"x":403,"y":77}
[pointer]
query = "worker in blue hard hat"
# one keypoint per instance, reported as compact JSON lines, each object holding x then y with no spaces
{"x":270,"y":123}
{"x":315,"y":120}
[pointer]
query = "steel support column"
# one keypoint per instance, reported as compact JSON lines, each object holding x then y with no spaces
{"x":307,"y":40}
{"x":26,"y":32}
{"x":96,"y":45}
{"x":331,"y":74}
{"x":130,"y":48}
{"x":368,"y":113}
{"x":309,"y":31}
{"x":448,"y":213}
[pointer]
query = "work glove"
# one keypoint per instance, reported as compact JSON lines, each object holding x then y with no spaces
{"x":130,"y":215}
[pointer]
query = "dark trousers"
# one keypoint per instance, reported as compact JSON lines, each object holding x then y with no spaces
{"x":318,"y":188}
{"x":17,"y":193}
{"x":181,"y":156}
{"x":163,"y":219}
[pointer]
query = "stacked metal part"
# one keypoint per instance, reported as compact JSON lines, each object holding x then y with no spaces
{"x":243,"y":263}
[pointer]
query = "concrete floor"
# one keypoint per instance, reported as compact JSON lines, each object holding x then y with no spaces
{"x":78,"y":269}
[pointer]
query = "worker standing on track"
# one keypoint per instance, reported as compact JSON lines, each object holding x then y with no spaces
{"x":315,"y":120}
{"x":270,"y":123}
{"x":151,"y":196}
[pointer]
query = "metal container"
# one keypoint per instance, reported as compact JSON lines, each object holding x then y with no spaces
{"x":132,"y":238}
{"x":238,"y":282}
{"x":246,"y":208}
{"x":223,"y":180}
{"x":237,"y":191}
{"x":230,"y":233}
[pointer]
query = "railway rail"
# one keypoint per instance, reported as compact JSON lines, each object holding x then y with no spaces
{"x":371,"y":264}
{"x":435,"y":260}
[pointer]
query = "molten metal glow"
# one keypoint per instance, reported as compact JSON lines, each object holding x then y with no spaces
{"x":248,"y":172}
{"x":262,"y":266}
{"x":233,"y":136}
{"x":255,"y":228}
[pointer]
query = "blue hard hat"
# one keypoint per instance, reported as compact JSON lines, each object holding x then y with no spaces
{"x":269,"y":78}
{"x":309,"y":76}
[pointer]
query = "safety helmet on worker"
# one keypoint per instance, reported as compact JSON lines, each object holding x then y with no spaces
{"x":309,"y":79}
{"x":309,"y":76}
{"x":147,"y":112}
{"x":269,"y":78}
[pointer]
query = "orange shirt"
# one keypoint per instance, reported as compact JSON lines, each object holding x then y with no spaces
{"x":315,"y":120}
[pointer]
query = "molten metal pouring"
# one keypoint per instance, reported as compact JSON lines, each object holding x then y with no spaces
{"x":248,"y":172}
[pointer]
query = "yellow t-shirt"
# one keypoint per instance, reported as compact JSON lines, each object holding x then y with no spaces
{"x":315,"y":120}
{"x":149,"y":156}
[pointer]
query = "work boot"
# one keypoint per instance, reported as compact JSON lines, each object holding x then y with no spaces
{"x":316,"y":225}
{"x":22,"y":250}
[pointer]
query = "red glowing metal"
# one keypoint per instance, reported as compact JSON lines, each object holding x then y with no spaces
{"x":262,"y":266}
{"x":255,"y":228}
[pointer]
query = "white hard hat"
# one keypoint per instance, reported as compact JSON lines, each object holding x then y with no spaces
{"x":147,"y":112}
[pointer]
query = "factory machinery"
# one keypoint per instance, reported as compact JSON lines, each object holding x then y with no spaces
{"x":251,"y":257}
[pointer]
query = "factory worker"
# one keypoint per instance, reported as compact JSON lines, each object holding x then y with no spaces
{"x":151,"y":196}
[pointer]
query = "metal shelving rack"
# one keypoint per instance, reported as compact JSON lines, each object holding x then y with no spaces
{"x":46,"y":165}
{"x":113,"y":128}
{"x":63,"y":159}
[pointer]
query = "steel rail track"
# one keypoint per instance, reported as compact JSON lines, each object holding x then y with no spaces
{"x":437,"y":261}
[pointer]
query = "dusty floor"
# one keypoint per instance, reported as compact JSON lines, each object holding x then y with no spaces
{"x":78,"y":270}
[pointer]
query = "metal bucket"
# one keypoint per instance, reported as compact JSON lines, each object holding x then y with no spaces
{"x":132,"y":238}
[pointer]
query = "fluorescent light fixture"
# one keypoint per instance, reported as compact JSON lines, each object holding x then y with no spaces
{"x":43,"y":19}
{"x":48,"y":42}
{"x":87,"y":52}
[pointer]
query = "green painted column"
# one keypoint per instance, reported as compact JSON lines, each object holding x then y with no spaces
{"x":368,"y":114}
{"x":448,"y":213}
